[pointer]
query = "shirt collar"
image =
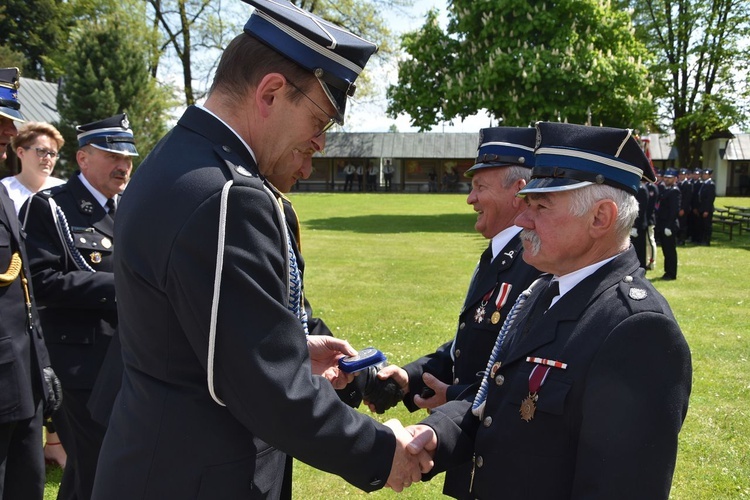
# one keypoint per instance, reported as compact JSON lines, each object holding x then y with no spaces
{"x":96,"y":194}
{"x":501,"y":239}
{"x":252,"y":153}
{"x":570,"y":280}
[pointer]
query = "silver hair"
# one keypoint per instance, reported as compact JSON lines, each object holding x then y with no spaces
{"x":583,"y":200}
{"x":514,"y":173}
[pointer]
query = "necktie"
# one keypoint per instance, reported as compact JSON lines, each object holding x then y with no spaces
{"x":111,"y":207}
{"x":538,"y":309}
{"x":541,"y":305}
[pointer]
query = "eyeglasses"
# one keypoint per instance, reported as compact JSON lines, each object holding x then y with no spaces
{"x":331,"y":120}
{"x":41,"y":153}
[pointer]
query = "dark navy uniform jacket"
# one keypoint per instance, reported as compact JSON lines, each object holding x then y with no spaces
{"x":474,"y":338}
{"x":167,"y":436}
{"x":22,"y":351}
{"x":604,"y":427}
{"x":77,"y":306}
{"x":669,"y":209}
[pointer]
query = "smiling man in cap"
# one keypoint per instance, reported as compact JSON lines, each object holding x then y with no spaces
{"x":71,"y":245}
{"x":221,"y":382}
{"x":503,"y":167}
{"x":587,"y":387}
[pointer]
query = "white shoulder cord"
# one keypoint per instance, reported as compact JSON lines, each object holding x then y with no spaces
{"x":217,"y":291}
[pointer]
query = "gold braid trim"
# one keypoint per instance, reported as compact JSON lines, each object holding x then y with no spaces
{"x":14,"y":268}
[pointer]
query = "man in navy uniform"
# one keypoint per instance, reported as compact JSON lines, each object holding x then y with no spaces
{"x":28,"y":385}
{"x":706,"y":198}
{"x":503,"y":167}
{"x":686,"y":194}
{"x":220,"y":380}
{"x":667,"y":224}
{"x":71,"y":246}
{"x":694,"y":223}
{"x":587,"y":387}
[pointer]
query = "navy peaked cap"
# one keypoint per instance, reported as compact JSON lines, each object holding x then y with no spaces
{"x":670,"y":172}
{"x":504,"y":147}
{"x":684,"y":171}
{"x":572,"y":156}
{"x":9,"y":83}
{"x":334,"y":55}
{"x":111,"y":134}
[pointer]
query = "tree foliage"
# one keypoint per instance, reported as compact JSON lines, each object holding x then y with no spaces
{"x":573,"y":60}
{"x":108,"y":73}
{"x":700,"y":66}
{"x":37,"y":29}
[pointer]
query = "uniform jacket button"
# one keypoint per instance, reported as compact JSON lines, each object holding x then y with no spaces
{"x":499,"y":380}
{"x":458,"y":353}
{"x":480,"y":461}
{"x":103,"y":300}
{"x":455,"y":381}
{"x":461,"y":326}
{"x":487,"y":421}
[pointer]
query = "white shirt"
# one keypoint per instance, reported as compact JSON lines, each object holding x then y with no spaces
{"x":570,"y":280}
{"x":20,"y":193}
{"x":501,"y":239}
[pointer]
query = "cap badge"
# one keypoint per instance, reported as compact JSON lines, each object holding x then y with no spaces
{"x":637,"y":293}
{"x":106,"y":243}
{"x":125,"y":123}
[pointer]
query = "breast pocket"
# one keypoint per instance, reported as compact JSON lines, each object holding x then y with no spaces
{"x":94,"y":247}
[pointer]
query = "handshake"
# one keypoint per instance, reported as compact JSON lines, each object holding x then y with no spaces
{"x":415,"y":450}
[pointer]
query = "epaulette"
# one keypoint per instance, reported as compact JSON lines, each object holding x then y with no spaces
{"x":635,"y":295}
{"x":241,"y":175}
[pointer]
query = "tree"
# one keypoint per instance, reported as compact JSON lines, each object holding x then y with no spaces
{"x":573,"y":60}
{"x":698,"y":66}
{"x":108,"y":73}
{"x":37,"y":29}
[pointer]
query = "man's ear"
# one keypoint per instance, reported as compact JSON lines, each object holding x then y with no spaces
{"x":268,"y":93}
{"x":82,"y":158}
{"x":604,"y":217}
{"x":517,"y":200}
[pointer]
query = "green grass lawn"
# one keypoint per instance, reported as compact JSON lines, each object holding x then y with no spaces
{"x":391,"y":270}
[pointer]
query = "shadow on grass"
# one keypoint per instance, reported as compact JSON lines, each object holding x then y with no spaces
{"x":441,"y":223}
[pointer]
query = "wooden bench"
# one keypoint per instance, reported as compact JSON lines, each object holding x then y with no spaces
{"x":726,"y":222}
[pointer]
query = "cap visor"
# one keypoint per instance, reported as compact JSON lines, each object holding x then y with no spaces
{"x":552,"y":184}
{"x":123,"y":148}
{"x":11,"y":113}
{"x":337,"y":98}
{"x":479,"y":166}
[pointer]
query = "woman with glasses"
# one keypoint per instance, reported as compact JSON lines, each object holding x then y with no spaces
{"x":37,"y":146}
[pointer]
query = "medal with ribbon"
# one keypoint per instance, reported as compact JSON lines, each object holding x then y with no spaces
{"x":479,"y":313}
{"x":536,"y":379}
{"x":502,"y":298}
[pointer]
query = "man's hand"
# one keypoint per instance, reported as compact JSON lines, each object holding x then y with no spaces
{"x":401,"y":378}
{"x":325,"y":352}
{"x":409,"y":463}
{"x":436,"y":385}
{"x":424,"y":439}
